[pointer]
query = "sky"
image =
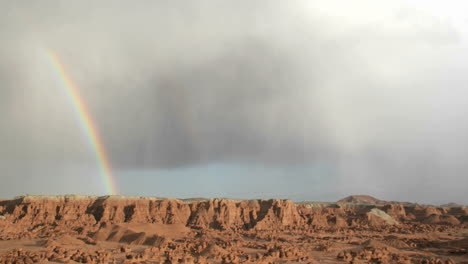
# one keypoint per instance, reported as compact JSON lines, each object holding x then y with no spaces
{"x":306,"y":100}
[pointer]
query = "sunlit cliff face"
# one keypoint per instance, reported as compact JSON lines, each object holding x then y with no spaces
{"x":376,"y":94}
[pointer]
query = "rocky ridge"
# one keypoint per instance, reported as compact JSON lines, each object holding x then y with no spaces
{"x":222,"y":230}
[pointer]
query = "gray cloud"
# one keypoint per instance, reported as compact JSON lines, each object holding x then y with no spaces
{"x":377,"y":93}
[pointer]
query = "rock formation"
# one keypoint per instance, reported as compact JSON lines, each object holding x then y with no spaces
{"x":114,"y":229}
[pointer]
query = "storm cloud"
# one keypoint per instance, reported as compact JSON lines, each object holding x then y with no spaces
{"x":376,"y":92}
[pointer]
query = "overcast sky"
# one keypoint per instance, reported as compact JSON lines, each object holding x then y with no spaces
{"x":308,"y":100}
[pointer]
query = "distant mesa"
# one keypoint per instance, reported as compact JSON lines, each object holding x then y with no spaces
{"x":369,"y":200}
{"x":361,"y":199}
{"x":451,"y":205}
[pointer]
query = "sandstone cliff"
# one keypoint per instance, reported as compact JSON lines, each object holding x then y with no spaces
{"x":220,"y":214}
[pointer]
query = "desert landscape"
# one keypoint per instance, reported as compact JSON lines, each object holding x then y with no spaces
{"x":311,"y":132}
{"x":122,"y":229}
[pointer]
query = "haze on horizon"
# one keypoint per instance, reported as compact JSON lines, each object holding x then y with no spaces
{"x":308,"y":100}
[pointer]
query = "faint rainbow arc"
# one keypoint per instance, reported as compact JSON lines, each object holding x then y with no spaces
{"x":87,"y":123}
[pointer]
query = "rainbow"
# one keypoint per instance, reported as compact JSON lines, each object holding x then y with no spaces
{"x":87,"y":123}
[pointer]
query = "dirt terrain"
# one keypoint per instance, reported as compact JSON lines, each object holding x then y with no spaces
{"x":116,"y":229}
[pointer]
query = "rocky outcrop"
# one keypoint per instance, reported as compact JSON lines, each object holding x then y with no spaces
{"x":378,"y":217}
{"x":115,"y":229}
{"x":219,"y":214}
{"x":214,"y":213}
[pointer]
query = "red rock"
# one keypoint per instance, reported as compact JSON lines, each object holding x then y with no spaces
{"x":152,"y":230}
